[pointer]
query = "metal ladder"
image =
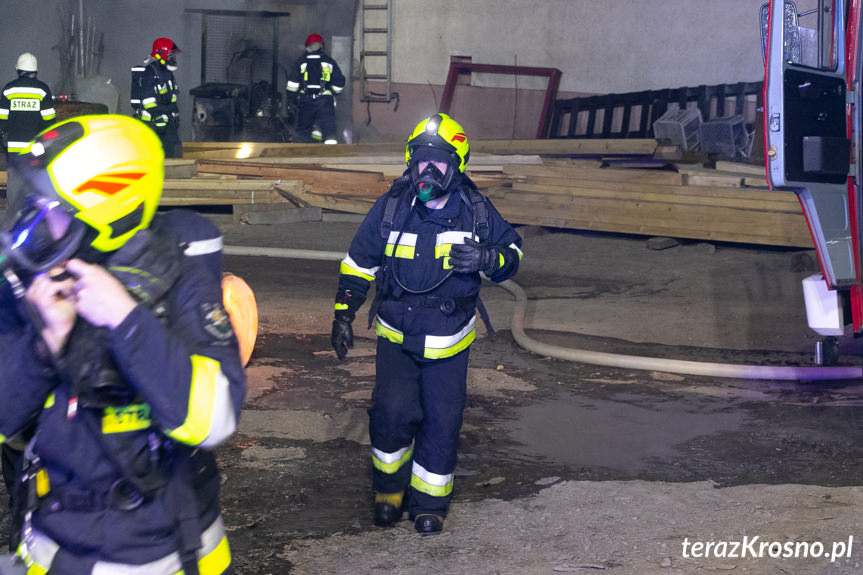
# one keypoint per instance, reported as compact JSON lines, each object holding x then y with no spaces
{"x":376,"y":22}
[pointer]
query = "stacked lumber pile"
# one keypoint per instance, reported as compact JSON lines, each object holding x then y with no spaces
{"x":696,"y":203}
{"x":620,"y":186}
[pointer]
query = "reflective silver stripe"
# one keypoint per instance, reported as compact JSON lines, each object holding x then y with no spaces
{"x":48,"y":112}
{"x":327,"y":65}
{"x":331,"y":142}
{"x":150,"y":100}
{"x":145,"y":115}
{"x":313,"y":56}
{"x":313,"y":85}
{"x":388,"y":326}
{"x":431,"y":478}
{"x":4,"y":111}
{"x":293,"y":86}
{"x":223,"y":419}
{"x":445,"y":341}
{"x":390,"y":457}
{"x":303,"y":67}
{"x":39,"y":550}
{"x":515,"y":247}
{"x":406,"y":239}
{"x":134,"y":101}
{"x":337,"y":90}
{"x":138,"y":68}
{"x":349,"y":261}
{"x":17,"y":145}
{"x":21,"y":90}
{"x":204,"y":247}
{"x":451,"y":238}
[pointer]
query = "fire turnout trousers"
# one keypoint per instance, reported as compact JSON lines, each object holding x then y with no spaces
{"x":414,"y":423}
{"x":320,"y":110}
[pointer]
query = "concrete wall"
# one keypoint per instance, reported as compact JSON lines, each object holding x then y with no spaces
{"x":130,"y":26}
{"x":601,"y":47}
{"x":612,"y":46}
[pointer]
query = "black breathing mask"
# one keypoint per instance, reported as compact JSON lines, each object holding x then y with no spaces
{"x":431,"y":182}
{"x":42,"y":235}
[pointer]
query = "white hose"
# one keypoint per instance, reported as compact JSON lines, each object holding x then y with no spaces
{"x":734,"y":371}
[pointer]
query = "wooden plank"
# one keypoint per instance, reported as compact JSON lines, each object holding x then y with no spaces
{"x":266,"y":214}
{"x":576,"y":195}
{"x":645,"y":214}
{"x":353,"y":205}
{"x":201,"y":184}
{"x":227,"y":150}
{"x":179,"y":168}
{"x":601,"y":174}
{"x":792,"y":236}
{"x":320,"y":180}
{"x":738,"y":168}
{"x":742,"y":194}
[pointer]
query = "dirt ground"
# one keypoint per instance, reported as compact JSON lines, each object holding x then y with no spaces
{"x":564,"y":467}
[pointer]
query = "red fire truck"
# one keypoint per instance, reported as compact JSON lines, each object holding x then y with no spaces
{"x":812,"y":130}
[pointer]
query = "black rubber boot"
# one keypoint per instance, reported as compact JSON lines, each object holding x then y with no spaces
{"x":428,"y":524}
{"x":387,"y":514}
{"x":388,"y":508}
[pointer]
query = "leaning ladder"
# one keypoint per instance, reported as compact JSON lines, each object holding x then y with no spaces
{"x":376,"y":23}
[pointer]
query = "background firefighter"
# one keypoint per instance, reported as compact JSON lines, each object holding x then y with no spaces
{"x":426,"y":240}
{"x":154,"y":95}
{"x":26,"y":108}
{"x":122,"y":355}
{"x":314,"y":80}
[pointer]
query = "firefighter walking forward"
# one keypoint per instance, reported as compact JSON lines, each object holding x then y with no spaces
{"x":426,"y":242}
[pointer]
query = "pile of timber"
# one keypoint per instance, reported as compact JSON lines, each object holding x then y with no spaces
{"x":599,"y":185}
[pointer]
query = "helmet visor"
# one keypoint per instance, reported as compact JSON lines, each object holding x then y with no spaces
{"x":42,"y":236}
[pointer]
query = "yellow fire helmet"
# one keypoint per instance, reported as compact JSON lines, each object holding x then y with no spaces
{"x":442,"y":132}
{"x":106,"y":171}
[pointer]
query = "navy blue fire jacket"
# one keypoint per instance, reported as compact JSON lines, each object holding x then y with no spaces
{"x":423,"y":305}
{"x":182,"y":363}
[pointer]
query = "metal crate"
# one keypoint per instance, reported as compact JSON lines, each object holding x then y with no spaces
{"x":680,"y":128}
{"x":728,"y":137}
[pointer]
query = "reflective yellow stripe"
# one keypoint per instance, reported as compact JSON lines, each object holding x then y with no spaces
{"x":436,"y":346}
{"x":402,"y":251}
{"x":349,"y":271}
{"x":43,"y":484}
{"x":431,"y":483}
{"x":502,"y":260}
{"x":49,"y":403}
{"x":341,"y":306}
{"x":129,"y":418}
{"x":379,"y":457}
{"x":217,"y":561}
{"x":2,"y":438}
{"x":388,"y":333}
{"x":195,"y":429}
{"x":434,"y":353}
{"x":36,"y":570}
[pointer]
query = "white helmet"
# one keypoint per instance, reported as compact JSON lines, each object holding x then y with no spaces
{"x":27,"y":63}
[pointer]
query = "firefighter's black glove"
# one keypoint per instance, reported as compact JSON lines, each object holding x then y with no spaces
{"x":342,"y":338}
{"x":472,"y":257}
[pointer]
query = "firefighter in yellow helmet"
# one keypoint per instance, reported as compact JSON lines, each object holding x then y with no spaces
{"x":426,"y":242}
{"x":115,"y":345}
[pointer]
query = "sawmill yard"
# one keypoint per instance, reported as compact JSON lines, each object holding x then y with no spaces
{"x":564,"y":467}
